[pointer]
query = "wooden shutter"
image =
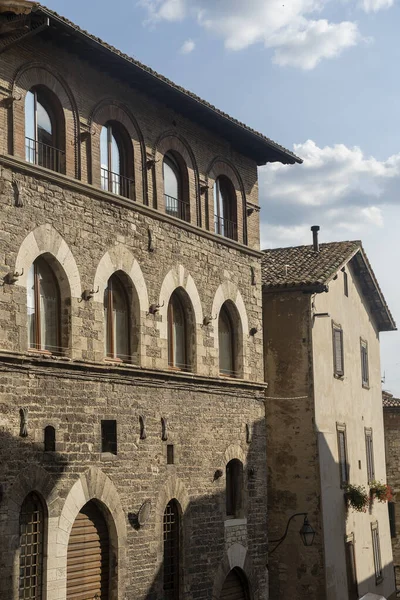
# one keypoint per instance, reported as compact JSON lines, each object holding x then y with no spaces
{"x":88,"y":556}
{"x":234,"y":588}
{"x":338,"y":351}
{"x":351,"y":569}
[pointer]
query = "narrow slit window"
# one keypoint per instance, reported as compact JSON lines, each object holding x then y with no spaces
{"x":177,"y":334}
{"x":376,"y":548}
{"x":170,"y":454}
{"x":369,"y":447}
{"x":234,"y":488}
{"x":109,"y":436}
{"x":49,"y":439}
{"x":364,"y":363}
{"x":352,"y":585}
{"x":171,"y":567}
{"x":392,"y":519}
{"x":345,"y":284}
{"x":338,"y":359}
{"x":342,"y":454}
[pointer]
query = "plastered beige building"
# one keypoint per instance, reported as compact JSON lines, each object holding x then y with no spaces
{"x":323,"y":313}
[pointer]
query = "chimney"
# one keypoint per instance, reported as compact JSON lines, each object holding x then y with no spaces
{"x":315,"y":229}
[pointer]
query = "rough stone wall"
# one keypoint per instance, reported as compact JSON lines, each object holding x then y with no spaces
{"x":295,"y":571}
{"x":86,"y":235}
{"x":391,"y":422}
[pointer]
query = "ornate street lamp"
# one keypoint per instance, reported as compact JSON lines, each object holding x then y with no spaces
{"x":306,"y":532}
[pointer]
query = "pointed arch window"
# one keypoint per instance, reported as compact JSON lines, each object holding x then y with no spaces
{"x":171,"y":526}
{"x":116,"y":319}
{"x":177,"y":334}
{"x":234,"y":488}
{"x":226,"y":340}
{"x":114,"y":160}
{"x":175,"y":204}
{"x":225,"y":213}
{"x":32,"y":527}
{"x":42,"y":131}
{"x":49,"y":439}
{"x":43,"y":308}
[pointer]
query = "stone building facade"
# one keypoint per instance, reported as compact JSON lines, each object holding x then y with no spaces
{"x":132,"y":423}
{"x":323,"y":314}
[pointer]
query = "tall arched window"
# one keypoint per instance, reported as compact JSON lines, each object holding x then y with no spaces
{"x":225,"y":213}
{"x":32,"y":527}
{"x":234,"y":488}
{"x":114,"y":161}
{"x":171,"y":551}
{"x":177,"y":334}
{"x":175,"y":204}
{"x":42,"y":131}
{"x":43,"y":308}
{"x":226,"y":340}
{"x":116,"y":319}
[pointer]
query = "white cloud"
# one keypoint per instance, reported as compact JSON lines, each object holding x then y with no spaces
{"x":187,"y":47}
{"x":376,"y":5}
{"x":289,"y":27}
{"x":336,"y":187}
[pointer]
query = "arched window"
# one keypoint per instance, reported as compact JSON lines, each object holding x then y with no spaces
{"x":234,"y":488}
{"x":116,"y":319}
{"x":226,"y":340}
{"x":43,"y":131}
{"x":43,"y":308}
{"x":177,"y":334}
{"x":175,"y":203}
{"x":49,"y":439}
{"x":32,"y":526}
{"x":225,"y":213}
{"x":114,"y":160}
{"x":171,"y":551}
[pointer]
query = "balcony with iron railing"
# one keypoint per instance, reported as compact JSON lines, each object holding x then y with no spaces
{"x":44,"y":155}
{"x":225,"y":227}
{"x":177,"y":208}
{"x":117,"y":184}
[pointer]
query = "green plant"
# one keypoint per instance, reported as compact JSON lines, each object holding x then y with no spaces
{"x":357,"y":497}
{"x":381,"y":491}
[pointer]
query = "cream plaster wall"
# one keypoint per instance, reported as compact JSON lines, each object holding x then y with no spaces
{"x":344,"y":400}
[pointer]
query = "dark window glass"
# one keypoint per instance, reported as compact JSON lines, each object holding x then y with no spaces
{"x":170,"y":454}
{"x":392,"y":519}
{"x":226,"y":343}
{"x":49,"y":439}
{"x":31,"y":548}
{"x":369,"y":446}
{"x":234,"y":488}
{"x":177,"y":341}
{"x":376,"y":548}
{"x":342,"y":452}
{"x":109,"y":436}
{"x":175,"y":204}
{"x":351,"y":569}
{"x":345,"y":284}
{"x":338,"y":360}
{"x":225,"y":219}
{"x":43,"y":307}
{"x":114,"y":162}
{"x":171,"y":583}
{"x":116,"y":319}
{"x":41,"y":133}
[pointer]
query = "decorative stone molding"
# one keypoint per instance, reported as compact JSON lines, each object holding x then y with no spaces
{"x":236,"y":557}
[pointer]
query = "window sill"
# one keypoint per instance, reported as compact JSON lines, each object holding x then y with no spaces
{"x":378,"y":580}
{"x":233,"y":522}
{"x":365,"y":386}
{"x":338,"y":376}
{"x":108,"y":456}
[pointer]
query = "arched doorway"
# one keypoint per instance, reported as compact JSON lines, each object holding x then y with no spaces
{"x":88,"y":558}
{"x":235,"y":586}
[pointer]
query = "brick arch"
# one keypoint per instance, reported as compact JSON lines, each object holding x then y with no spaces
{"x":221,"y":166}
{"x":46,"y":240}
{"x":171,"y":141}
{"x":36,"y":73}
{"x":93,"y":485}
{"x":228,"y":292}
{"x":236,"y":557}
{"x":109,"y":109}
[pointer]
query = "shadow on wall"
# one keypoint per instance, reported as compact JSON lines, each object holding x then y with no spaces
{"x":202,"y":547}
{"x":332,"y":570}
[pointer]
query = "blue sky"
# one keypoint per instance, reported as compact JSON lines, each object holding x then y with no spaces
{"x":319,"y":77}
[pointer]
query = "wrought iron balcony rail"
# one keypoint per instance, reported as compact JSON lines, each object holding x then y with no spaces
{"x":117,"y":184}
{"x":43,"y":155}
{"x":225,"y":227}
{"x":177,"y":208}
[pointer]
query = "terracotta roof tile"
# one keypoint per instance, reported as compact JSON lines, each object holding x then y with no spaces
{"x":390,"y":402}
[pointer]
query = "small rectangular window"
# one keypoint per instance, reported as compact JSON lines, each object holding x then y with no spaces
{"x":338,"y":361}
{"x":351,"y":568}
{"x":109,"y":436}
{"x":392,"y":519}
{"x":376,"y":548}
{"x":369,"y":447}
{"x":345,"y":284}
{"x":170,"y":454}
{"x":364,"y":363}
{"x":342,"y":454}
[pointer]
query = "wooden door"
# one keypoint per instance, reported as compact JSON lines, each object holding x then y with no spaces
{"x":235,"y":587}
{"x":88,"y":556}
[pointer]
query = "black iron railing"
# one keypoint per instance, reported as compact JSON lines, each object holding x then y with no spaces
{"x":225,"y":227}
{"x":117,"y":184}
{"x":44,"y":155}
{"x":177,"y":208}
